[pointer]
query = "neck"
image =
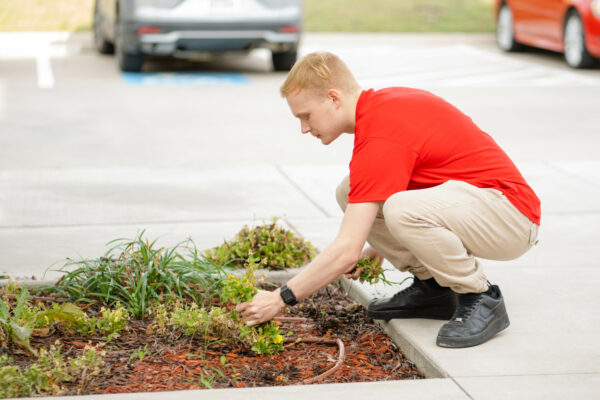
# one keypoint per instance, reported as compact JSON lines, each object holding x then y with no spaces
{"x":351,"y":111}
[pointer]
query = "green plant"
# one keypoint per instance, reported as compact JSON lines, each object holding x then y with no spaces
{"x":17,"y":324}
{"x":112,"y":321}
{"x":48,"y":374}
{"x":214,"y":324}
{"x":139,"y":353}
{"x":137,"y":272}
{"x":239,"y":289}
{"x":263,"y":339}
{"x":73,"y":318}
{"x":270,"y":245}
{"x":372,"y":272}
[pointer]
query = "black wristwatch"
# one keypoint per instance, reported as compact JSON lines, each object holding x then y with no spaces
{"x":287,"y":295}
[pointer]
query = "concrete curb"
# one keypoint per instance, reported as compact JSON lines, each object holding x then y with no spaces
{"x":411,"y":350}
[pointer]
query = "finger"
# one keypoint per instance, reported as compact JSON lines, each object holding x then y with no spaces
{"x":242,"y":307}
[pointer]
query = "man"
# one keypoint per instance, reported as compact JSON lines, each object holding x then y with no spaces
{"x":429,"y":191}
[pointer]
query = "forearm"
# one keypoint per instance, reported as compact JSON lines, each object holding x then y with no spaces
{"x":328,"y":266}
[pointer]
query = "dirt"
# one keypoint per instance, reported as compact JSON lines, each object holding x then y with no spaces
{"x":177,"y":362}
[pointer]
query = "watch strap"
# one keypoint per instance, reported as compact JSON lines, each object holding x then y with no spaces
{"x":287,"y":295}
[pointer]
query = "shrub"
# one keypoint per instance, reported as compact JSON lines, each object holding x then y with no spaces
{"x":270,"y":245}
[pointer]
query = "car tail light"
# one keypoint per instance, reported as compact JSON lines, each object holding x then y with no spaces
{"x":148,"y":29}
{"x":289,"y":29}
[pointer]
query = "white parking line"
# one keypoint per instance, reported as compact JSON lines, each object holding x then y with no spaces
{"x":45,"y":76}
{"x":41,"y":46}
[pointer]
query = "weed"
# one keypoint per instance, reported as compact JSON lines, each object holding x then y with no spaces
{"x":372,"y":272}
{"x":17,"y":325}
{"x":240,"y":289}
{"x":139,"y":353}
{"x":274,"y":247}
{"x":263,"y":339}
{"x":48,"y":374}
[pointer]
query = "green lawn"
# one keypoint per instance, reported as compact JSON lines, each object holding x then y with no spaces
{"x":320,"y":15}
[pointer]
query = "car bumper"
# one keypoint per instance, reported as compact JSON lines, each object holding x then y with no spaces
{"x":215,"y":41}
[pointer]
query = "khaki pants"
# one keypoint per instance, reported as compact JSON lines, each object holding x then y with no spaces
{"x":438,"y":232}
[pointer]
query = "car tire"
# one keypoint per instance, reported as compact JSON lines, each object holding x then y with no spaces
{"x":285,"y":60}
{"x":128,"y":61}
{"x":505,"y":30}
{"x":575,"y":52}
{"x":102,"y":45}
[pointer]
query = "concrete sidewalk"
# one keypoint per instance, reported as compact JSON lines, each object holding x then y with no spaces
{"x":549,"y":351}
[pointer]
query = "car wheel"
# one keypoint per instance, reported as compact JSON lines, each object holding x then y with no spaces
{"x":127,"y":61}
{"x":102,"y":45}
{"x":284,"y":61}
{"x":576,"y":55}
{"x":505,"y":30}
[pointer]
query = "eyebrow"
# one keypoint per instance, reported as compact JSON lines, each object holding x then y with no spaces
{"x":299,"y":115}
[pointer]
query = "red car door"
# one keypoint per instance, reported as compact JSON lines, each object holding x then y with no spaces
{"x":548,"y":26}
{"x":537,"y":22}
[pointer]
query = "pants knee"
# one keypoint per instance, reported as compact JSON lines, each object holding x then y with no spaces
{"x":398,"y":215}
{"x":342,"y":191}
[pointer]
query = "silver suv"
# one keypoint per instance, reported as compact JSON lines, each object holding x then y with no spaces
{"x":184,"y":28}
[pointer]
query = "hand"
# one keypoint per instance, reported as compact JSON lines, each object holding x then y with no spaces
{"x":354,"y":273}
{"x":263,"y":307}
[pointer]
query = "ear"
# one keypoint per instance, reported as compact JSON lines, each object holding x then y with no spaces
{"x":335,"y":96}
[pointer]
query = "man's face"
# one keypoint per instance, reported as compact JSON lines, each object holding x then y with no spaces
{"x":320,"y":116}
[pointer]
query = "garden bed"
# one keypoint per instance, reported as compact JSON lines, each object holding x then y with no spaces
{"x":141,"y":361}
{"x":143,"y":318}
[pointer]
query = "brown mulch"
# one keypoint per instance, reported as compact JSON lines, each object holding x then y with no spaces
{"x":178,"y":362}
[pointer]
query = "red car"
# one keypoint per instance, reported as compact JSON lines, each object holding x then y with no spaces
{"x":568,"y":26}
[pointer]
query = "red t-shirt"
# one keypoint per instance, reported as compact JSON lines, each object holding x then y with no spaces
{"x":408,"y":139}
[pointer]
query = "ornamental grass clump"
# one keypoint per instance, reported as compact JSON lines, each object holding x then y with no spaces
{"x":137,"y":272}
{"x":273,"y":246}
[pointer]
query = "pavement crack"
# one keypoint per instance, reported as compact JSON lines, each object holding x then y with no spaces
{"x":302,"y":192}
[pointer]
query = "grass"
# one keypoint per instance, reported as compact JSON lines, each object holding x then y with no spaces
{"x":319,"y":15}
{"x":45,"y":15}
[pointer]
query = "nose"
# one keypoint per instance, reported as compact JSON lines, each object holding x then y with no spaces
{"x":304,"y":127}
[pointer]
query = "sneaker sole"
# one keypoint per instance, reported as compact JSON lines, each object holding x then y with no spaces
{"x":442,"y":313}
{"x":458,"y":342}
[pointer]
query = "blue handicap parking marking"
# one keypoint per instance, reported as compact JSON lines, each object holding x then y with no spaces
{"x":185,"y":78}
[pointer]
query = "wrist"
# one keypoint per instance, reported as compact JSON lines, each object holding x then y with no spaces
{"x":287,"y":296}
{"x":280,"y":303}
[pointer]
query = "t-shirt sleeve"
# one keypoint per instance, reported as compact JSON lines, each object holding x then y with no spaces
{"x":378,"y":169}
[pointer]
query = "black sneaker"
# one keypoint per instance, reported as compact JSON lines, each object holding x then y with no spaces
{"x":479,"y":316}
{"x":423,"y":299}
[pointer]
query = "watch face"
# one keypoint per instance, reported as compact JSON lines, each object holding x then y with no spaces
{"x":287,"y":295}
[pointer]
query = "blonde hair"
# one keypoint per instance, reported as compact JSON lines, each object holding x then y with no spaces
{"x":319,"y":71}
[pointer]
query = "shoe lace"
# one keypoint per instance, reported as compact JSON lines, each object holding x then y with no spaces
{"x":467,"y":303}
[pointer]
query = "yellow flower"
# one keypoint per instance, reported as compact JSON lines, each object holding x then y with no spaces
{"x":229,"y":276}
{"x":278,"y":339}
